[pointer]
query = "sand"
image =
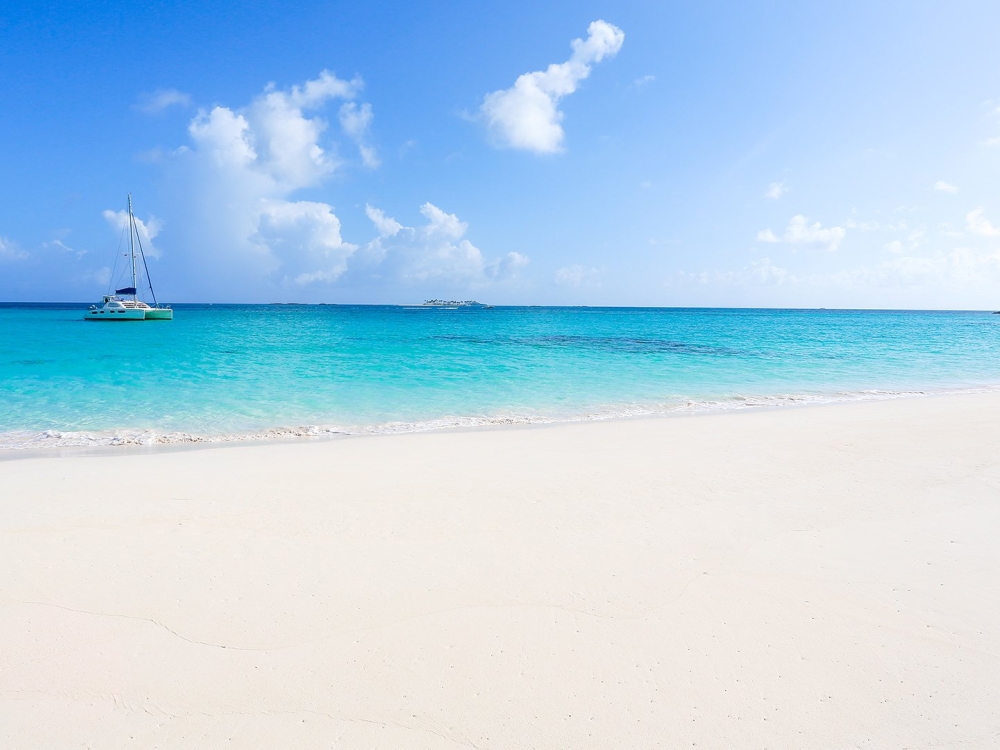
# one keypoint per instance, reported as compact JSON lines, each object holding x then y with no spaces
{"x":824,"y":577}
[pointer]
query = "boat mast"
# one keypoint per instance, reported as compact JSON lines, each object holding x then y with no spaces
{"x":131,"y":245}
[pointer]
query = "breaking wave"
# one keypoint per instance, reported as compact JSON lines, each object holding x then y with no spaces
{"x":47,"y":439}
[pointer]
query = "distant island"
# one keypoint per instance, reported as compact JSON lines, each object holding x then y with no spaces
{"x":453,"y":303}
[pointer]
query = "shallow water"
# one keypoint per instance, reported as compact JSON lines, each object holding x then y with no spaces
{"x":248,"y":371}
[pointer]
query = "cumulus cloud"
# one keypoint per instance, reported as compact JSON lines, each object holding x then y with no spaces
{"x":306,"y":235}
{"x":238,"y":215}
{"x":945,"y":187}
{"x":577,"y":276}
{"x":147,"y":230}
{"x":273,"y":136}
{"x":526,"y":116}
{"x":436,"y":251}
{"x":157,"y":101}
{"x":979,"y":224}
{"x":775,"y":190}
{"x":239,"y":177}
{"x":286,"y":141}
{"x":801,"y":233}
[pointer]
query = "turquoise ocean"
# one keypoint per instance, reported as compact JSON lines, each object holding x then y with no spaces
{"x":240,"y":372}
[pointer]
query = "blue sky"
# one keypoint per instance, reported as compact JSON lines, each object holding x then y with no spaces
{"x":735,"y":154}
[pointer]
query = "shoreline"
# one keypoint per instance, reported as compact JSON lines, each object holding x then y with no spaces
{"x":149,"y":439}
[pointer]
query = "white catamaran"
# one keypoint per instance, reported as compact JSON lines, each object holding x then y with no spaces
{"x":125,"y":304}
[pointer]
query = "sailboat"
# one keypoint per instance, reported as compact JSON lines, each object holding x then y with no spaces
{"x":125,"y":304}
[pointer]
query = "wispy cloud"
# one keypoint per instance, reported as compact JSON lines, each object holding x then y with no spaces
{"x":577,"y":276}
{"x":10,"y":251}
{"x":526,"y":116}
{"x":157,"y":101}
{"x":64,"y":247}
{"x":775,"y":190}
{"x":643,"y":81}
{"x":803,"y":234}
{"x":945,"y":187}
{"x":760,"y":272}
{"x":356,"y":122}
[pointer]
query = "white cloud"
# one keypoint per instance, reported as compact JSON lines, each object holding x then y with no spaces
{"x":961,"y":268}
{"x":64,"y":247}
{"x":224,"y":136}
{"x":894,"y":247}
{"x":643,"y":81}
{"x":945,"y":187}
{"x":434,"y":252}
{"x":801,"y":233}
{"x":356,"y":122}
{"x":285,"y":140}
{"x":578,"y":276}
{"x":240,"y":174}
{"x":317,"y":91}
{"x":273,"y":136}
{"x":10,"y":251}
{"x":147,"y":229}
{"x":385,"y":225}
{"x":876,"y":226}
{"x":526,"y":116}
{"x":242,"y":222}
{"x":979,"y":224}
{"x":761,"y":272}
{"x":775,"y":190}
{"x":307,"y":236}
{"x":155,"y":102}
{"x":369,"y":156}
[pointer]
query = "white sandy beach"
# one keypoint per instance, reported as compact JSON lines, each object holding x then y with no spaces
{"x":824,"y":577}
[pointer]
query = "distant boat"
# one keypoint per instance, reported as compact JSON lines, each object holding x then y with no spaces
{"x":125,"y":304}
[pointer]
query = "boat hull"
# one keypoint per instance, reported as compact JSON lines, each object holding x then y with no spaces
{"x":122,"y":314}
{"x":159,"y":313}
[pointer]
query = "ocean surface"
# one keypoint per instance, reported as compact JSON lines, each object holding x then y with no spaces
{"x":243,"y":372}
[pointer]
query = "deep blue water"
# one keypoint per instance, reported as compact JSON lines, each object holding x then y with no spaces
{"x":230,"y":370}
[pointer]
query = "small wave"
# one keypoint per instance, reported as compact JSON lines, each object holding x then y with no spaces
{"x":28,"y":440}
